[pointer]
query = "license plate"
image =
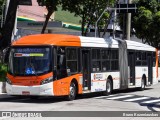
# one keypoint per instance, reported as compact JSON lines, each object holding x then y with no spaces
{"x":25,"y":93}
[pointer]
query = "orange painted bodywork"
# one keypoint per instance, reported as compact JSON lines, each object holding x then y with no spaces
{"x":61,"y":87}
{"x":28,"y":80}
{"x":48,"y":39}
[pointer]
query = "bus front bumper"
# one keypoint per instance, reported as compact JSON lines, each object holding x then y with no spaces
{"x":40,"y":90}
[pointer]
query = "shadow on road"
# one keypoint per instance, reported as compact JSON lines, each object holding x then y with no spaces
{"x":46,"y":100}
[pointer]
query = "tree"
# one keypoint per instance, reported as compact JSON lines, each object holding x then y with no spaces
{"x":7,"y":29}
{"x":1,"y":10}
{"x":89,"y":11}
{"x":51,"y":6}
{"x":146,"y":22}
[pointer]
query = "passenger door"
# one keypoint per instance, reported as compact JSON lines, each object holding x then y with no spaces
{"x":150,"y":71}
{"x":86,"y":69}
{"x":131,"y":63}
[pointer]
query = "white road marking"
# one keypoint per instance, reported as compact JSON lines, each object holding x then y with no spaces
{"x":2,"y":93}
{"x":156,"y":108}
{"x":136,"y":99}
{"x":124,"y":96}
{"x":106,"y":96}
{"x":151,"y":101}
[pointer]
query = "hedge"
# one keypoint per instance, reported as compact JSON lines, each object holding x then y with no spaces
{"x":3,"y":72}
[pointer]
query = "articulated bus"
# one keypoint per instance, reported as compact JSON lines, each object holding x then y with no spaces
{"x":67,"y":65}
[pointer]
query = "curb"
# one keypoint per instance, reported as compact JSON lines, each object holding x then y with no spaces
{"x":2,"y":87}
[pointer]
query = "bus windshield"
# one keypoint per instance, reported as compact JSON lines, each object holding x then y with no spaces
{"x":29,"y":61}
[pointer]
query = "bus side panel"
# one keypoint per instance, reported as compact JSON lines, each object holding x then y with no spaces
{"x":98,"y":82}
{"x":140,"y":71}
{"x":158,"y":74}
{"x":61,"y":86}
{"x":155,"y":76}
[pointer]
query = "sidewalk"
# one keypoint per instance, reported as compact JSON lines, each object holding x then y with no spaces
{"x":1,"y":90}
{"x":0,"y":87}
{"x":3,"y":96}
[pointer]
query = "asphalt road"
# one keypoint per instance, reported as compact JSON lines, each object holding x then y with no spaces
{"x":126,"y":100}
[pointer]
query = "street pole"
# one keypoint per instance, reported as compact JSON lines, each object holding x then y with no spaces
{"x":114,"y":24}
{"x":2,"y":18}
{"x":96,"y":26}
{"x":128,"y":24}
{"x":6,"y":8}
{"x":15,"y":28}
{"x":124,"y":22}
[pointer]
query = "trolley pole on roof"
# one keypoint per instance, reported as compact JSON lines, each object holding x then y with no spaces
{"x":96,"y":28}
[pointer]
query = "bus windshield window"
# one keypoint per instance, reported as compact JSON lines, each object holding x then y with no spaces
{"x":29,"y":61}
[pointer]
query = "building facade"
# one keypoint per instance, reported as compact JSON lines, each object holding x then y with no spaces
{"x":34,"y":12}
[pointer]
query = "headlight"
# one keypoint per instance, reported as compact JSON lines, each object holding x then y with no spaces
{"x":48,"y":80}
{"x":8,"y":81}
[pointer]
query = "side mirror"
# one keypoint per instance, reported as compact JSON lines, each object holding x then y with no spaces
{"x":6,"y":52}
{"x":54,"y":74}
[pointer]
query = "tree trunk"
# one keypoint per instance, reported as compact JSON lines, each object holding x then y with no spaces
{"x":83,"y":24}
{"x":9,"y":24}
{"x":1,"y":56}
{"x":3,"y":87}
{"x":46,"y":21}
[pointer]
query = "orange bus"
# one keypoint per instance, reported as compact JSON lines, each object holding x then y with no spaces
{"x":67,"y":65}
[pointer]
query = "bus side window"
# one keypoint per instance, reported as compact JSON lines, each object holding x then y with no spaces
{"x":72,"y":60}
{"x":96,"y":60}
{"x":138,"y":58}
{"x":144,"y":59}
{"x":114,"y":60}
{"x":154,"y":59}
{"x":105,"y":53}
{"x":61,"y":63}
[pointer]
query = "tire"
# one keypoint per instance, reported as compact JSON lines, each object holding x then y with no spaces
{"x":72,"y":92}
{"x":142,"y":85}
{"x":108,"y":87}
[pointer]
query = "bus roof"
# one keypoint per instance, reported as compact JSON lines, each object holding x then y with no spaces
{"x":48,"y":39}
{"x":71,"y":40}
{"x":139,"y":46}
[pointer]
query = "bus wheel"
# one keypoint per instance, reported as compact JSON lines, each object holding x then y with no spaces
{"x":72,"y":93}
{"x":108,"y":87}
{"x":142,"y":85}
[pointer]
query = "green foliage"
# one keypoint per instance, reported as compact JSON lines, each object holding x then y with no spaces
{"x":89,"y":11}
{"x":51,"y":5}
{"x":3,"y":71}
{"x":147,"y":22}
{"x":66,"y":16}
